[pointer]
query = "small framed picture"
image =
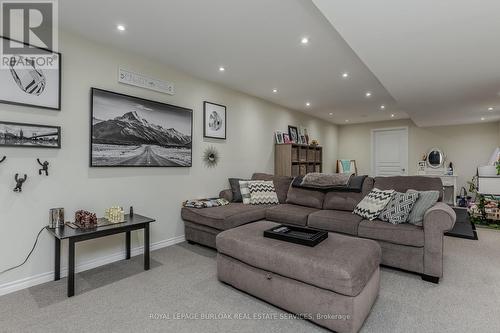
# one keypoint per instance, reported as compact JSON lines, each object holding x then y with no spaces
{"x":286,"y":138}
{"x":303,"y":139}
{"x":294,"y":134}
{"x":28,"y":82}
{"x":279,"y":137}
{"x":214,"y":121}
{"x":29,"y":135}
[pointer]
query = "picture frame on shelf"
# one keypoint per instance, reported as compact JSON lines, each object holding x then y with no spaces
{"x":29,"y":135}
{"x":278,"y":135}
{"x":31,"y":83}
{"x":286,"y":138}
{"x":214,"y":120}
{"x":293,"y":133}
{"x":128,"y":131}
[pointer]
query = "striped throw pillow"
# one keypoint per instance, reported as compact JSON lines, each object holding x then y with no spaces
{"x":373,"y":204}
{"x":245,"y":193}
{"x":426,"y":199}
{"x":262,"y":193}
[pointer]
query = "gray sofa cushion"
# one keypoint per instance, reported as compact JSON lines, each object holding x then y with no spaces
{"x":404,"y":234}
{"x":281,"y":184}
{"x":224,"y":217}
{"x":347,"y":200}
{"x":340,"y":263}
{"x":303,"y":197}
{"x":290,"y":214}
{"x":405,"y":183}
{"x":426,"y":199}
{"x":235,"y":189}
{"x":336,"y":221}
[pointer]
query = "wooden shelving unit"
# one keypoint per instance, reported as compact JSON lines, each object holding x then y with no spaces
{"x":291,"y":159}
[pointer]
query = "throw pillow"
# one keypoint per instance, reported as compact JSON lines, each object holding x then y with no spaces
{"x":373,"y":204}
{"x":262,"y":193}
{"x":245,"y":193}
{"x":235,"y":188}
{"x":426,"y":199}
{"x":399,"y":208}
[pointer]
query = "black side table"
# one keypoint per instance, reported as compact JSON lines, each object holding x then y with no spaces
{"x":73,"y":236}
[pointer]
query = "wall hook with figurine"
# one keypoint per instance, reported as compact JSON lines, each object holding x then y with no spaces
{"x":19,"y":182}
{"x":45,"y":167}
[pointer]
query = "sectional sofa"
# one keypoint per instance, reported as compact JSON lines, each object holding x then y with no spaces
{"x":404,"y":246}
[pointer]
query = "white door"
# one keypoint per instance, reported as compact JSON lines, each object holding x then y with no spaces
{"x":390,"y":152}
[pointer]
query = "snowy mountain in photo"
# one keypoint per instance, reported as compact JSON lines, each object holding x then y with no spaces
{"x":131,"y":128}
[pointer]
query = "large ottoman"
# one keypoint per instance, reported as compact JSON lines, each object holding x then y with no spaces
{"x":333,"y":284}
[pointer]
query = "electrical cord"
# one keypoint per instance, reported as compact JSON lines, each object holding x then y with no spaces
{"x":29,"y":254}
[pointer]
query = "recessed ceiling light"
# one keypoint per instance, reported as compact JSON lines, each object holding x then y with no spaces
{"x":304,"y":41}
{"x":331,"y":113}
{"x":382,"y":107}
{"x":345,"y":75}
{"x":308,"y":104}
{"x":393,"y":115}
{"x":490,"y":108}
{"x":275,"y":90}
{"x":368,"y":94}
{"x":120,"y":27}
{"x":347,"y":120}
{"x":222,"y":69}
{"x":482,"y":118}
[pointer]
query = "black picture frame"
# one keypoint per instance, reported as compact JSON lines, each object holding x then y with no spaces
{"x":93,"y":91}
{"x":293,"y":132}
{"x":206,"y":133}
{"x":58,"y":107}
{"x":31,"y":144}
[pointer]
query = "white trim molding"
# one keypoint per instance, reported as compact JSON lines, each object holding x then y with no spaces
{"x":34,"y":280}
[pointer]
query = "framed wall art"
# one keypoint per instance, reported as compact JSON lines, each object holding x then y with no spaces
{"x":29,"y":135}
{"x":130,"y":131}
{"x":31,"y":80}
{"x":294,"y":134}
{"x":214,"y":121}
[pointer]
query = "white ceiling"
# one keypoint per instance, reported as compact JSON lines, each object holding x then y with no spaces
{"x":436,"y":61}
{"x":440,"y":59}
{"x":257,"y":41}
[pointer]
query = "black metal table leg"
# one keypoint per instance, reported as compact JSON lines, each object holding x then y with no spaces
{"x":57,"y":259}
{"x":71,"y":268}
{"x":146,"y":246}
{"x":127,"y":244}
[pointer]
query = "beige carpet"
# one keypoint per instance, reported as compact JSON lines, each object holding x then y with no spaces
{"x":120,"y":297}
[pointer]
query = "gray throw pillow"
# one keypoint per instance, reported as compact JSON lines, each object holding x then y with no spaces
{"x":235,"y":188}
{"x":426,"y":199}
{"x":399,"y":208}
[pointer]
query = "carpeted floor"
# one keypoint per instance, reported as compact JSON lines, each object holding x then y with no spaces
{"x":120,"y":297}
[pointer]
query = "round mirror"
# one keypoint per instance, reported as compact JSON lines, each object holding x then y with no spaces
{"x":435,"y":158}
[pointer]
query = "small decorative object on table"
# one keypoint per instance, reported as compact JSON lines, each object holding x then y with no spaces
{"x":85,"y":219}
{"x":56,"y":218}
{"x":114,"y":214}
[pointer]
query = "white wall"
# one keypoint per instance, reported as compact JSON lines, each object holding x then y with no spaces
{"x":467,"y":146}
{"x":156,"y":192}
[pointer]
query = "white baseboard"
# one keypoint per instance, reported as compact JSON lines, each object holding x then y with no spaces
{"x":33,"y":280}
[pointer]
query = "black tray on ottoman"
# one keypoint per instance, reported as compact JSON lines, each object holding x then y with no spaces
{"x":297,"y":235}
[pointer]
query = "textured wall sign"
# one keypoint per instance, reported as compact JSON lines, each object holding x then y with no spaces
{"x":143,"y":81}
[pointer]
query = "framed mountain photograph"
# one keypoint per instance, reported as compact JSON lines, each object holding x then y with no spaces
{"x":128,"y":131}
{"x":33,"y":81}
{"x":29,"y":135}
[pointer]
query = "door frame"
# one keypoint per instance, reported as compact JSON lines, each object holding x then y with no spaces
{"x":375,"y":130}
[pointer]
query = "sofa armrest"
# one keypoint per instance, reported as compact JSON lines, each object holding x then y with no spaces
{"x":437,"y":220}
{"x":226,"y":194}
{"x":440,"y":217}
